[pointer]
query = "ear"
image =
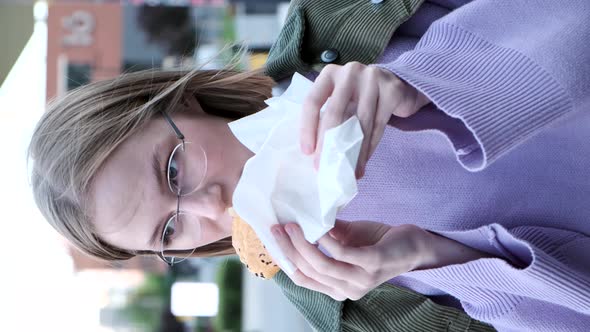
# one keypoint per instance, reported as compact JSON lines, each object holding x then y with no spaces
{"x":190,"y":104}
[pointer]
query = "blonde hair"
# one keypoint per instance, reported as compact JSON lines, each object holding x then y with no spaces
{"x":81,"y":130}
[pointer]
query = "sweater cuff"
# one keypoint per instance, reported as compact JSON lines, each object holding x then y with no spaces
{"x":530,"y":266}
{"x":500,"y":95}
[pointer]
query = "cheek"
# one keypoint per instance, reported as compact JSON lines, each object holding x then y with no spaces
{"x":217,"y":160}
{"x":214,"y":231}
{"x":226,"y":224}
{"x":221,"y":170}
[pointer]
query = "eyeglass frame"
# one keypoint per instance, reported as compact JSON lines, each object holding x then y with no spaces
{"x":181,"y":137}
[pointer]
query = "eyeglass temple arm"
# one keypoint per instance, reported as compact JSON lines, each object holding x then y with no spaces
{"x":173,"y":125}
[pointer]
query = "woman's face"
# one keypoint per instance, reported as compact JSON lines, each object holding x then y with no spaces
{"x":132,"y":200}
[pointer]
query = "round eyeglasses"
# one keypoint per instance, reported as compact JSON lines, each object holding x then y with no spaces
{"x":186,"y":170}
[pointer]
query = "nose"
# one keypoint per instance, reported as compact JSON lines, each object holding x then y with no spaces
{"x":206,"y":202}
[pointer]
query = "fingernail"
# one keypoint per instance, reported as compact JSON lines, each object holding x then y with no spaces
{"x":306,"y":148}
{"x":360,"y":172}
{"x":290,"y":229}
{"x":277,"y":231}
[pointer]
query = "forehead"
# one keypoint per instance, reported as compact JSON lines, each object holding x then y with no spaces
{"x":124,"y":182}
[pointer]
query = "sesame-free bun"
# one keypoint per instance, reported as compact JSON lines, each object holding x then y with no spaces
{"x":250,"y":249}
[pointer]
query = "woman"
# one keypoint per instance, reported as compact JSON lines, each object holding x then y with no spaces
{"x":508,"y":240}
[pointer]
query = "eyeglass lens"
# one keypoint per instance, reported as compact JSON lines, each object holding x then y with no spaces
{"x":186,"y":171}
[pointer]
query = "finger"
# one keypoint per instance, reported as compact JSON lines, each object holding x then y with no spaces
{"x":358,"y":256}
{"x":341,"y":230}
{"x":355,"y":279}
{"x":385,"y":105}
{"x":405,"y":103}
{"x":368,"y":101}
{"x":302,"y":280}
{"x":317,"y":259}
{"x":310,"y":115}
{"x":358,"y":234}
{"x":301,"y":262}
{"x":334,"y":114}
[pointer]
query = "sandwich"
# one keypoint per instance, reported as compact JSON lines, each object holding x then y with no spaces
{"x":251,"y":250}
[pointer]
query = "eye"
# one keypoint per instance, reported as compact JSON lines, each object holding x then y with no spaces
{"x":173,"y":172}
{"x":168,"y":232}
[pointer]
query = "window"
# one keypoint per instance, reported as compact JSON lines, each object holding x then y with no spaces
{"x":78,"y":75}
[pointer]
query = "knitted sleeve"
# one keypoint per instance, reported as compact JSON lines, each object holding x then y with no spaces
{"x":504,"y":70}
{"x":539,"y":282}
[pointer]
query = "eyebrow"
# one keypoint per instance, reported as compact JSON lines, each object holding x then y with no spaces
{"x":157,"y":172}
{"x":157,"y":167}
{"x":153,"y":242}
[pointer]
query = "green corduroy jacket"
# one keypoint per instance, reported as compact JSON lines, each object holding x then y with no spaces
{"x":319,"y":32}
{"x":385,"y":308}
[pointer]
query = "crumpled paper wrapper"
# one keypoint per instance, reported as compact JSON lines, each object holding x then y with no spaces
{"x":280,"y":185}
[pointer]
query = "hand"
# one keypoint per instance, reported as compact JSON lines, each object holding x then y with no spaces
{"x":374,"y":94}
{"x":365,"y":254}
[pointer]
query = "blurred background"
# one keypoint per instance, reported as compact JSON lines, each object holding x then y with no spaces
{"x":49,"y":47}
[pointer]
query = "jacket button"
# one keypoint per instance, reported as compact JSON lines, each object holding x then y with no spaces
{"x":329,"y":55}
{"x":376,"y":1}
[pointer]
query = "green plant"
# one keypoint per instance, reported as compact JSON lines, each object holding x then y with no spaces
{"x":229,"y":281}
{"x":146,"y":303}
{"x":229,"y":28}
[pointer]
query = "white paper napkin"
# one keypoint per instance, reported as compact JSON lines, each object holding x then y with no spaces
{"x":280,"y":185}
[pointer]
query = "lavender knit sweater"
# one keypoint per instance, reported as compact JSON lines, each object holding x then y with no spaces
{"x":500,"y":162}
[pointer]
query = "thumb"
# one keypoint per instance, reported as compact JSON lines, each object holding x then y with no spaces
{"x":358,"y":233}
{"x":341,"y":230}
